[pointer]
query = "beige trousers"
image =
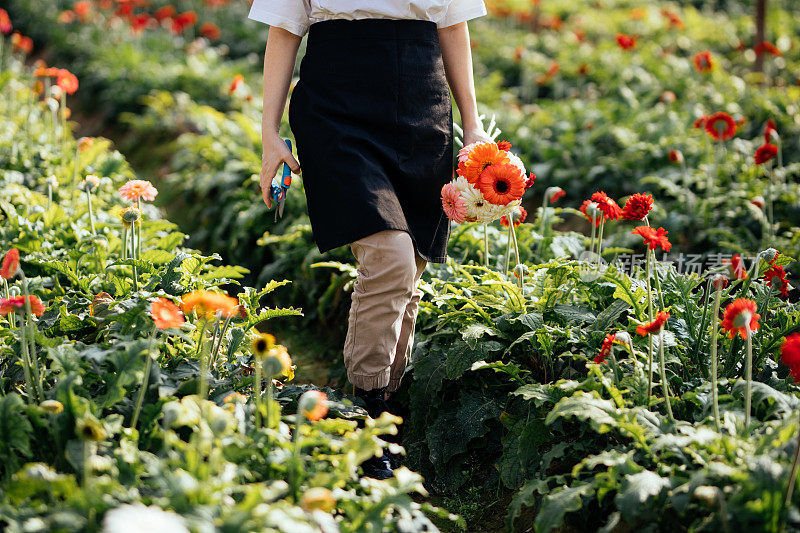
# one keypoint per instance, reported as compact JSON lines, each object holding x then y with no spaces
{"x":383,"y":310}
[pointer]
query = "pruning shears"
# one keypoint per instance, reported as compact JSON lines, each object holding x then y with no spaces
{"x":280,"y":187}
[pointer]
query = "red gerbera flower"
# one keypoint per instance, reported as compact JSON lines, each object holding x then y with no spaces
{"x":765,"y":153}
{"x":654,"y":326}
{"x":703,"y":62}
{"x":637,"y":207}
{"x":626,"y":42}
{"x":740,"y":315}
{"x":501,"y":184}
{"x":585,"y":206}
{"x":10,"y":264}
{"x":608,"y":206}
{"x":768,"y":129}
{"x":700,"y":123}
{"x":720,"y":126}
{"x":654,"y":238}
{"x":504,"y":145}
{"x":777,"y":276}
{"x":766,"y":46}
{"x":139,"y":22}
{"x":164,"y":13}
{"x":17,"y":304}
{"x":523,"y":214}
{"x":5,"y":22}
{"x":605,"y":349}
{"x":790,"y":355}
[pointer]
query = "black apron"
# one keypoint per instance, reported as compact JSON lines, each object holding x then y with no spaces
{"x":373,"y":125}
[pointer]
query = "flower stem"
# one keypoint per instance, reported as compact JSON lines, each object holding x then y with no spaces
{"x":269,"y":402}
{"x":28,"y":324}
{"x":714,"y":335}
{"x":594,"y":232}
{"x":702,"y":327}
{"x":201,"y":354}
{"x":486,"y":245}
{"x":650,"y":337}
{"x":793,"y":474}
{"x":124,"y":244}
{"x":663,"y":370}
{"x":748,"y":374}
{"x":91,"y":213}
{"x":516,"y":251}
{"x":133,"y":251}
{"x":257,"y":391}
{"x":508,"y":251}
{"x":543,"y":227}
{"x":215,"y":347}
{"x":600,"y":238}
{"x":770,"y":211}
{"x":143,"y":389}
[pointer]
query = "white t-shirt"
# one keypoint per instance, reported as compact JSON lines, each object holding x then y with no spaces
{"x":297,"y":15}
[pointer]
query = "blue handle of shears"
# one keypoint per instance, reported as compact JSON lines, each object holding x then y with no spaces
{"x":278,"y":189}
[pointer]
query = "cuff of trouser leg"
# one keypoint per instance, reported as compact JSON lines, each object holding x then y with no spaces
{"x":394,"y":384}
{"x":369,"y":382}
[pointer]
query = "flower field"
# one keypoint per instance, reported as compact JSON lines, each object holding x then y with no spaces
{"x":620,"y":352}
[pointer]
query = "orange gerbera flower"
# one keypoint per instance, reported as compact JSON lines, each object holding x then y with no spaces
{"x":703,"y":62}
{"x":210,"y":31}
{"x":10,"y":264}
{"x":166,"y":314}
{"x":740,"y":316}
{"x":766,"y":47}
{"x":67,"y":81}
{"x":637,"y":207}
{"x":480,"y":157}
{"x":608,"y":206}
{"x":654,"y":238}
{"x":790,"y":355}
{"x":720,"y":126}
{"x":313,"y":405}
{"x":237,"y":80}
{"x":138,"y":189}
{"x":17,"y":303}
{"x":764,"y":153}
{"x":207,"y":303}
{"x":654,"y":326}
{"x":501,"y":184}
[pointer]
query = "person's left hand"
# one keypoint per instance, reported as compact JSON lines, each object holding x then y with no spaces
{"x":476,"y":134}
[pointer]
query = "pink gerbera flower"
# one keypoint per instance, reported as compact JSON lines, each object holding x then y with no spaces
{"x":136,"y":190}
{"x":454,"y":206}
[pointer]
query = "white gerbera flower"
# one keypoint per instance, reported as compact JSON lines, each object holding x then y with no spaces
{"x":517,"y":162}
{"x":139,"y":518}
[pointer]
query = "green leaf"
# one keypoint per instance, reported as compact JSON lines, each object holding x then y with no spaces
{"x":637,"y":489}
{"x":15,"y":428}
{"x":157,"y":257}
{"x":602,"y":414}
{"x":557,"y":504}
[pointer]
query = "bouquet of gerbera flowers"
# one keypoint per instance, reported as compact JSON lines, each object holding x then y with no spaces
{"x":490,"y":183}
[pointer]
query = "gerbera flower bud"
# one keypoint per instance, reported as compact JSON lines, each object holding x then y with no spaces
{"x":676,"y":156}
{"x":668,"y":97}
{"x":129,"y":216}
{"x":52,"y":105}
{"x":591,"y":211}
{"x":277,"y":362}
{"x":90,"y":183}
{"x":318,"y":499}
{"x":84,"y":143}
{"x":518,"y":215}
{"x":10,"y":264}
{"x":520,"y":270}
{"x":740,"y":316}
{"x":626,"y":42}
{"x":605,"y":348}
{"x":624,"y":338}
{"x":770,"y":132}
{"x":736,"y":267}
{"x":313,"y":405}
{"x":790,"y":355}
{"x":768,"y":254}
{"x":554,"y":194}
{"x":720,"y":282}
{"x":758,"y":201}
{"x":52,"y":407}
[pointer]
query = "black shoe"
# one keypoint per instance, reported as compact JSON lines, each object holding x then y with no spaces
{"x":376,"y":467}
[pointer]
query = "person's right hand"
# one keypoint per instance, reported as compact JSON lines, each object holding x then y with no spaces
{"x":275,"y":153}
